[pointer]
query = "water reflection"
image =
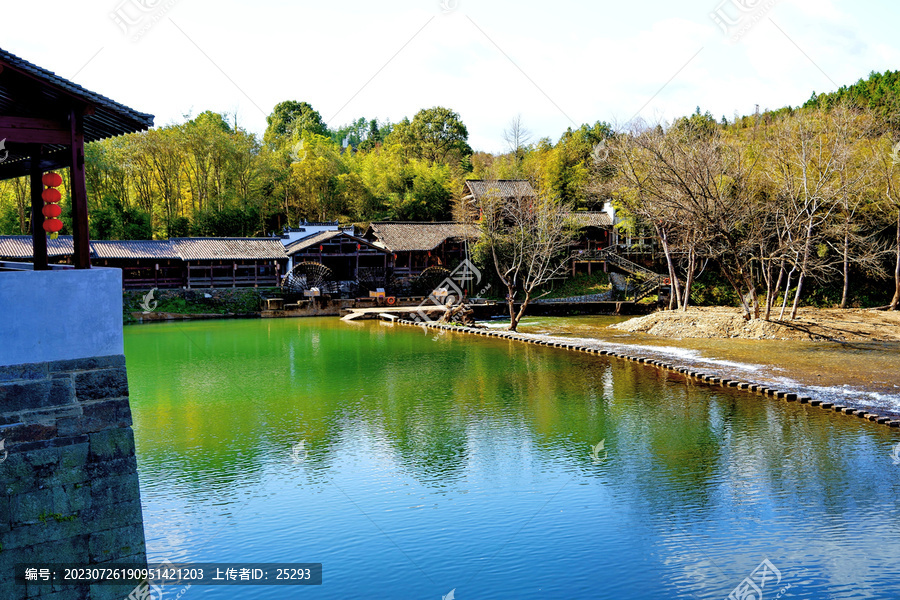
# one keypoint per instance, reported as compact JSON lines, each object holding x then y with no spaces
{"x":863,"y":374}
{"x":465,"y":463}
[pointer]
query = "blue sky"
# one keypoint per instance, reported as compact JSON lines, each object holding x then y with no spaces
{"x":558,"y":64}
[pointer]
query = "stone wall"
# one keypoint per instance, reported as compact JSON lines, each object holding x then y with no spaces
{"x":68,"y":474}
{"x":224,"y":301}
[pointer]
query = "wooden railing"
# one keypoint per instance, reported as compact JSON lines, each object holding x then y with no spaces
{"x":650,"y":281}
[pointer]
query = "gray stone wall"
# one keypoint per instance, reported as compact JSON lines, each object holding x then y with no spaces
{"x":68,"y":475}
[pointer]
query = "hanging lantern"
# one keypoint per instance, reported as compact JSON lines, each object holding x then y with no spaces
{"x":52,"y":180}
{"x":51,"y":211}
{"x":51,"y":195}
{"x":52,"y":225}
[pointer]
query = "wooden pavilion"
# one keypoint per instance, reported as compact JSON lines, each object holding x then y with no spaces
{"x":45,"y":121}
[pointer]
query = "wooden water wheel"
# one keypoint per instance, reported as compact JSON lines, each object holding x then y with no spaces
{"x":307,"y":275}
{"x":429,"y":279}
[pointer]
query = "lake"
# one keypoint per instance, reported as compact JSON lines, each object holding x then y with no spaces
{"x":412,"y":465}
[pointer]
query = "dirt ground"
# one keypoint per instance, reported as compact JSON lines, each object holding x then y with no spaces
{"x":834,"y":324}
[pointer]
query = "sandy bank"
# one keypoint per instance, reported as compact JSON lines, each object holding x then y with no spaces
{"x":833,"y":324}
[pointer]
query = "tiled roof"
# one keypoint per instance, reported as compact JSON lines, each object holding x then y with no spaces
{"x":310,"y":240}
{"x":109,"y":118}
{"x":324,"y":236}
{"x":586,"y":218}
{"x":228,"y":248}
{"x":133,"y":249}
{"x":405,"y":236}
{"x":506,"y":188}
{"x":20,"y":246}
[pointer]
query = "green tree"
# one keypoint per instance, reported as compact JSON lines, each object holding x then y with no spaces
{"x":291,"y":116}
{"x":435,"y":135}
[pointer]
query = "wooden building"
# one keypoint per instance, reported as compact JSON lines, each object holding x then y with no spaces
{"x":418,"y":245}
{"x":595,"y":230}
{"x":145,"y":264}
{"x":175,"y":263}
{"x":345,"y":254}
{"x":501,"y":188}
{"x":231,"y":262}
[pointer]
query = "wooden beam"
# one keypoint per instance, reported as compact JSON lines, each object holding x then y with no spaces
{"x":33,"y":131}
{"x":50,"y":161}
{"x":38,"y":235}
{"x":80,"y":233}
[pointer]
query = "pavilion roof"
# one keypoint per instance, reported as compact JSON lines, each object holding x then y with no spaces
{"x":28,"y":91}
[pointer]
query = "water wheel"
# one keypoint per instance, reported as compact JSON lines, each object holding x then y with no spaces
{"x":372,"y":278}
{"x":308,"y":275}
{"x":429,"y":279}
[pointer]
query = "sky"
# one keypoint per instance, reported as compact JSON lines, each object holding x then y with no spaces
{"x":556,"y":64}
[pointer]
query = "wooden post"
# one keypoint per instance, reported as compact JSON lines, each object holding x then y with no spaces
{"x":234,"y":274}
{"x":38,"y":235}
{"x":80,"y":232}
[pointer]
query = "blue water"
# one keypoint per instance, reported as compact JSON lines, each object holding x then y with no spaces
{"x":434,"y":463}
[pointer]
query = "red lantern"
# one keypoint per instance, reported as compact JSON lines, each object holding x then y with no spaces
{"x":51,"y":179}
{"x":51,"y":210}
{"x":52,"y":225}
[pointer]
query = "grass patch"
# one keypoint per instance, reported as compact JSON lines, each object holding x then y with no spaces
{"x":580,"y":285}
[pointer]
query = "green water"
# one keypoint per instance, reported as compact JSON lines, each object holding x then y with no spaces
{"x":433,"y":463}
{"x":859,"y":374}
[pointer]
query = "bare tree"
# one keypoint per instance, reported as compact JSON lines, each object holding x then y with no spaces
{"x":697,"y":192}
{"x":517,"y":137}
{"x":888,"y":164}
{"x":812,"y":155}
{"x":516,"y":134}
{"x":528,"y":239}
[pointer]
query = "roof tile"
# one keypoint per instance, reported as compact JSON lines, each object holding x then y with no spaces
{"x":406,"y":236}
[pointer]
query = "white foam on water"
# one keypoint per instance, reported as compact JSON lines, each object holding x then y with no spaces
{"x":846,"y":394}
{"x":694,"y":355}
{"x":683,"y":354}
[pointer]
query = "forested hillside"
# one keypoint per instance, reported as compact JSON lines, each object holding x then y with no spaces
{"x":210,"y":177}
